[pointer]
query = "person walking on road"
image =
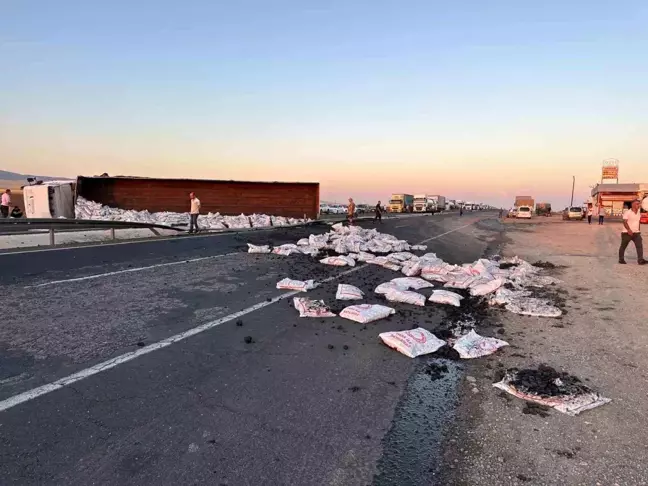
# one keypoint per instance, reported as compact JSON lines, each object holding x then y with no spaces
{"x":501,"y":212}
{"x":6,"y":202}
{"x":351,"y":209}
{"x":461,"y":211}
{"x":194,"y":213}
{"x":600,"y":212}
{"x":589,"y":214}
{"x":632,"y":232}
{"x":378,"y":216}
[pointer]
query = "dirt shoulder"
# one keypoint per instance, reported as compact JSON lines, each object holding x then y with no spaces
{"x":602,"y":339}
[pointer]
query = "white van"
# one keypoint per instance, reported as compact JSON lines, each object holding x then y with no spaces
{"x":524,"y":212}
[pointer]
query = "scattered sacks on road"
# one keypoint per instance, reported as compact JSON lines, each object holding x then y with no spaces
{"x":258,"y":248}
{"x":312,"y":308}
{"x":412,"y":343}
{"x":472,"y":345}
{"x":549,"y":387}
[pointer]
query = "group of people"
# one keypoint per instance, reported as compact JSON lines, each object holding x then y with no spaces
{"x":596,"y":211}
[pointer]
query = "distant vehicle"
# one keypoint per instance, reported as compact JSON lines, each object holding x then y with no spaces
{"x":574,"y":213}
{"x":524,"y":212}
{"x":543,"y":209}
{"x":512,"y":213}
{"x":363,"y":208}
{"x":325,"y":209}
{"x":644,"y":211}
{"x":401,"y":203}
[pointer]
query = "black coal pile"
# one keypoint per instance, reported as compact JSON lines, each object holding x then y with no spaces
{"x":547,"y":382}
{"x":541,"y":264}
{"x":435,"y":370}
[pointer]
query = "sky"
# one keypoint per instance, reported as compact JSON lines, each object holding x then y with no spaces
{"x":476,"y":100}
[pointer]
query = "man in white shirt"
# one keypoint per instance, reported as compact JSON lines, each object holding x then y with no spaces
{"x":193,"y":213}
{"x":5,"y":203}
{"x":632,"y":232}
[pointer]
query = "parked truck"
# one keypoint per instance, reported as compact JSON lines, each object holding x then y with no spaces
{"x":525,"y":201}
{"x":401,"y":203}
{"x":425,"y":203}
{"x":439,"y":202}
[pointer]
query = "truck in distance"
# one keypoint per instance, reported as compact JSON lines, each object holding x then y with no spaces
{"x":424,"y":203}
{"x":400,"y":203}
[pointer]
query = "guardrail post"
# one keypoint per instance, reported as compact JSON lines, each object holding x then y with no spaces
{"x":52,"y":241}
{"x":112,"y":233}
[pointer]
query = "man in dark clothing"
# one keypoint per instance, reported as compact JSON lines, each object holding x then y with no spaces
{"x":461,"y":211}
{"x":378,"y":216}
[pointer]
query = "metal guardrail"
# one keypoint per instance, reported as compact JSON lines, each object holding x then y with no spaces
{"x":22,"y":226}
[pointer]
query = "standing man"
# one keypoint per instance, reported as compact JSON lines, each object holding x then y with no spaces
{"x":460,"y":210}
{"x":351,"y":208}
{"x":501,"y":212}
{"x":193,"y":214}
{"x":589,"y":214}
{"x":378,"y":216}
{"x":632,"y":232}
{"x":600,"y":212}
{"x":6,"y":202}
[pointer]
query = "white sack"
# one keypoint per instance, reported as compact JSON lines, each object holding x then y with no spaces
{"x":365,"y":313}
{"x":413,"y":343}
{"x":446,"y":297}
{"x":405,"y":297}
{"x":258,"y":248}
{"x":412,"y":283}
{"x":311,"y":308}
{"x":472,"y":345}
{"x":383,"y":288}
{"x":348,"y":292}
{"x":288,"y":284}
{"x":486,"y":288}
{"x":338,"y":261}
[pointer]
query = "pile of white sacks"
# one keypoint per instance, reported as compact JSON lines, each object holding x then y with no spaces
{"x":85,"y":209}
{"x":481,"y":278}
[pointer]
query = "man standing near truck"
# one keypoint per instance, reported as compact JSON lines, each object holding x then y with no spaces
{"x":351,"y":209}
{"x":194,"y":213}
{"x":632,"y":232}
{"x":6,"y":202}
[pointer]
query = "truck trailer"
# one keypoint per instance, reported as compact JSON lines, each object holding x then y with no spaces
{"x":400,"y":203}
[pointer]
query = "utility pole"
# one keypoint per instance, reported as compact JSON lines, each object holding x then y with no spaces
{"x":573,"y":184}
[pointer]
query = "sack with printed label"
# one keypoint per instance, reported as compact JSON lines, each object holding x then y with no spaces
{"x":288,"y":284}
{"x":286,"y":250}
{"x":405,"y":297}
{"x":339,"y":261}
{"x":459,"y":280}
{"x":446,"y":297}
{"x":472,"y":345}
{"x":412,"y":283}
{"x":348,"y":292}
{"x":258,"y":248}
{"x":486,"y":288}
{"x":413,"y":343}
{"x":311,"y":308}
{"x":411,"y":268}
{"x":365,"y":313}
{"x":383,"y":288}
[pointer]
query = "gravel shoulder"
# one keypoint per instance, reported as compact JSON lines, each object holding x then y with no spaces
{"x":601,"y":339}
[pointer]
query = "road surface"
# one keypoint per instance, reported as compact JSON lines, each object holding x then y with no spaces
{"x":179,"y":362}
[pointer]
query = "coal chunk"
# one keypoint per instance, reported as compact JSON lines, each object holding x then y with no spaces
{"x":248,"y":340}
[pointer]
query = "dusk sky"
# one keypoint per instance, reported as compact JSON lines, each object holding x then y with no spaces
{"x":471,"y":99}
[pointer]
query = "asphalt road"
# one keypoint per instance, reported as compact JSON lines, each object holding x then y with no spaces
{"x":308,"y":401}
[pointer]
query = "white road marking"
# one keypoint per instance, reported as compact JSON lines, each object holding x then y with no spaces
{"x":126,"y":357}
{"x":128,"y":270}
